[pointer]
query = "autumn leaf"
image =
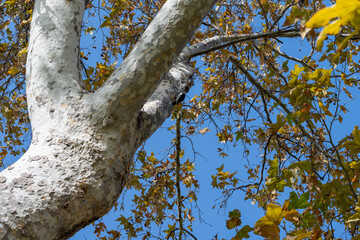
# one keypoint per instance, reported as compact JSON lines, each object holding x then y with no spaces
{"x":274,"y":213}
{"x":267,"y":226}
{"x":13,"y":70}
{"x":292,"y":216}
{"x":344,"y":11}
{"x":353,"y":146}
{"x":297,"y":14}
{"x":243,"y":233}
{"x":234,"y":220}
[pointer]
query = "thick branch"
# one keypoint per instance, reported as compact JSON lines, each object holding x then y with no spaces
{"x":138,"y":76}
{"x":52,"y":68}
{"x":53,"y":53}
{"x":159,"y":106}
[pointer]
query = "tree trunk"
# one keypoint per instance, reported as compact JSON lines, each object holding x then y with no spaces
{"x":83,"y":143}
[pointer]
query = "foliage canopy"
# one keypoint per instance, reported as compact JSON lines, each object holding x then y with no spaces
{"x":257,"y":94}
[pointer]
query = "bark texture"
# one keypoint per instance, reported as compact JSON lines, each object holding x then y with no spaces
{"x":83,"y":143}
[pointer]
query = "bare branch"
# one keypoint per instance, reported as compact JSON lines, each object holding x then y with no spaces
{"x":219,"y":42}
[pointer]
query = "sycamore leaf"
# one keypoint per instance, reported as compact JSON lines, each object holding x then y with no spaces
{"x":270,"y":232}
{"x":243,"y":233}
{"x":267,"y":226}
{"x":331,"y":29}
{"x":274,"y":213}
{"x":292,"y":216}
{"x":344,"y":11}
{"x":353,"y":146}
{"x":296,"y":15}
{"x":302,"y":234}
{"x":234,"y":220}
{"x":303,"y":166}
{"x":325,"y":108}
{"x":13,"y":71}
{"x":299,"y":203}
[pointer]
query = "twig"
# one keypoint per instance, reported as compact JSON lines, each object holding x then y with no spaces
{"x":177,"y":160}
{"x":293,"y":58}
{"x":219,"y":42}
{"x":317,"y":145}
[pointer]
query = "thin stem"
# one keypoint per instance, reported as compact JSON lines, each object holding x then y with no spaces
{"x":177,"y":160}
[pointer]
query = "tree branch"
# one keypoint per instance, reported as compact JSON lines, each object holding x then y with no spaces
{"x":128,"y":88}
{"x":53,"y":55}
{"x":177,"y":159}
{"x":294,"y":59}
{"x":159,"y":106}
{"x":53,"y":73}
{"x":218,"y":42}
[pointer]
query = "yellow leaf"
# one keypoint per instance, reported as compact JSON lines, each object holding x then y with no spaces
{"x":267,"y":226}
{"x":22,"y":51}
{"x":331,"y":29}
{"x":346,"y":11}
{"x":299,"y":235}
{"x":274,"y":213}
{"x":292,"y":216}
{"x":322,"y":17}
{"x":13,"y":71}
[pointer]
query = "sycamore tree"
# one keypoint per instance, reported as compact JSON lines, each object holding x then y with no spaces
{"x":89,"y":120}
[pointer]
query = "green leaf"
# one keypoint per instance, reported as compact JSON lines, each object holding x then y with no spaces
{"x":239,"y":135}
{"x":303,"y":166}
{"x":235,"y":213}
{"x":353,"y":146}
{"x":234,"y":220}
{"x":299,"y":203}
{"x":244,"y":232}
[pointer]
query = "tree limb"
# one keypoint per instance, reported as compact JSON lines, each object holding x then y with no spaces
{"x":159,"y":106}
{"x":218,"y":42}
{"x":127,"y":89}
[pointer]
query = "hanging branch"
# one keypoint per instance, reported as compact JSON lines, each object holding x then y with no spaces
{"x":177,"y":160}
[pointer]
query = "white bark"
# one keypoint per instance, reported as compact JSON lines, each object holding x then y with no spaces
{"x":83,"y":143}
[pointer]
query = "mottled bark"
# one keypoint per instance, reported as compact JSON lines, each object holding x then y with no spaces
{"x":83,"y":143}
